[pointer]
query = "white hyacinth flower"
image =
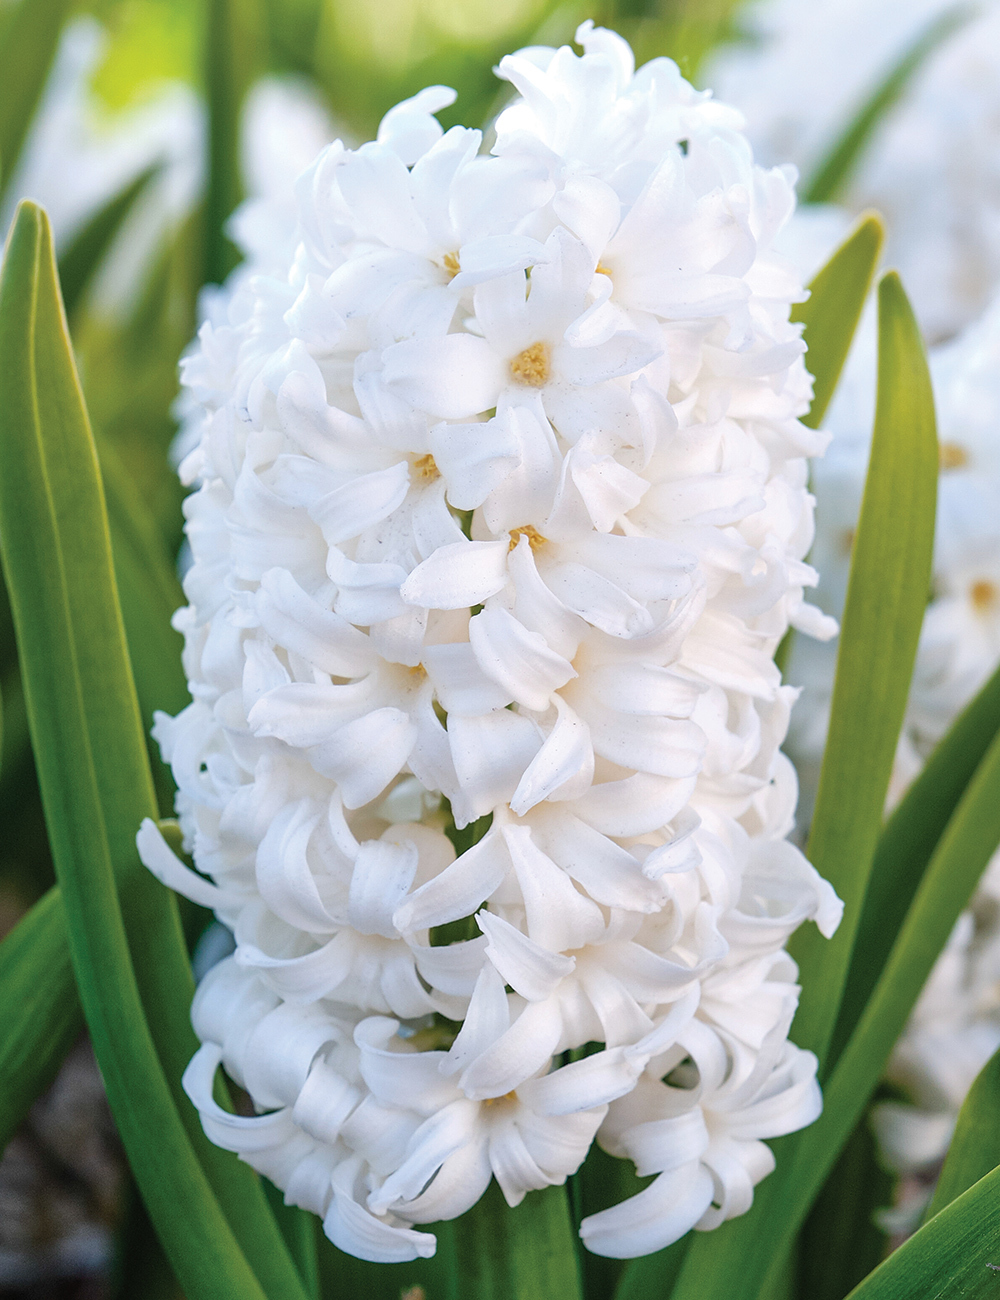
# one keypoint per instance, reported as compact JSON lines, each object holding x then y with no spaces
{"x":500,"y":515}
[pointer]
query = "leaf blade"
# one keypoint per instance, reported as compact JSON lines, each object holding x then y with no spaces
{"x":30,"y":37}
{"x":835,"y":169}
{"x":975,"y":1146}
{"x":954,"y":1254}
{"x":38,"y":1023}
{"x":837,"y":294}
{"x":883,"y":614}
{"x":95,"y":776}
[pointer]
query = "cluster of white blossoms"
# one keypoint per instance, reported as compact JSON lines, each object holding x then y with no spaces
{"x":932,"y":166}
{"x":500,"y":514}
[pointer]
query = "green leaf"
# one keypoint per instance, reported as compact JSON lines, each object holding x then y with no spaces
{"x":906,"y":846}
{"x":975,"y":1146}
{"x":96,"y":787}
{"x":652,"y":1275}
{"x":837,"y":166}
{"x":342,"y":1277}
{"x":886,"y":598}
{"x":149,"y":592}
{"x":956,"y":1254}
{"x":837,"y":293}
{"x":38,"y":1022}
{"x":840,"y":1241}
{"x":299,"y":1229}
{"x":234,"y":54}
{"x":527,"y":1253}
{"x":28,"y":39}
{"x":83,"y":256}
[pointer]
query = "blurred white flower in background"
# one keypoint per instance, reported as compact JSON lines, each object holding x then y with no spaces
{"x":932,"y":166}
{"x":78,"y":156}
{"x":499,"y":517}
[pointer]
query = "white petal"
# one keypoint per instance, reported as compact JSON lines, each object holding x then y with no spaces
{"x":299,"y":623}
{"x":582,"y":1085}
{"x":518,"y":660}
{"x":454,"y":378}
{"x":563,"y":767}
{"x":487,"y":1019}
{"x":530,"y":969}
{"x":474,"y":459}
{"x":383,"y":874}
{"x":459,"y":682}
{"x":459,"y":890}
{"x":458,"y":576}
{"x":159,"y":858}
{"x":518,"y":1054}
{"x":365,"y":501}
{"x":355,"y":1231}
{"x":659,"y":1215}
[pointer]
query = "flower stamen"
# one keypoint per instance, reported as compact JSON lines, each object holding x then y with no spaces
{"x":452,"y":264}
{"x":532,"y":366}
{"x":426,"y":468}
{"x":984,"y":595}
{"x":535,"y":538}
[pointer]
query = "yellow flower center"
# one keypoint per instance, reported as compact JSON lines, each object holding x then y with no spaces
{"x":535,"y":538}
{"x":532,"y":366}
{"x":952,"y":455}
{"x":495,"y":1101}
{"x":984,"y":595}
{"x":426,"y":469}
{"x":451,"y":264}
{"x":601,"y":269}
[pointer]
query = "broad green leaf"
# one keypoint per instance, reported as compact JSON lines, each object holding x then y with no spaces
{"x":886,"y":598}
{"x":956,"y":1254}
{"x":299,"y":1229}
{"x":140,"y":1271}
{"x":836,"y":168}
{"x":38,"y":1022}
{"x":84,"y":255}
{"x":737,"y":1263}
{"x":342,"y":1277}
{"x":906,"y":845}
{"x":234,"y":37}
{"x":528,"y":1252}
{"x":840,"y":1241}
{"x":29,"y":35}
{"x":830,"y":314}
{"x":96,"y":787}
{"x":975,"y":1146}
{"x":149,"y":592}
{"x":652,"y":1275}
